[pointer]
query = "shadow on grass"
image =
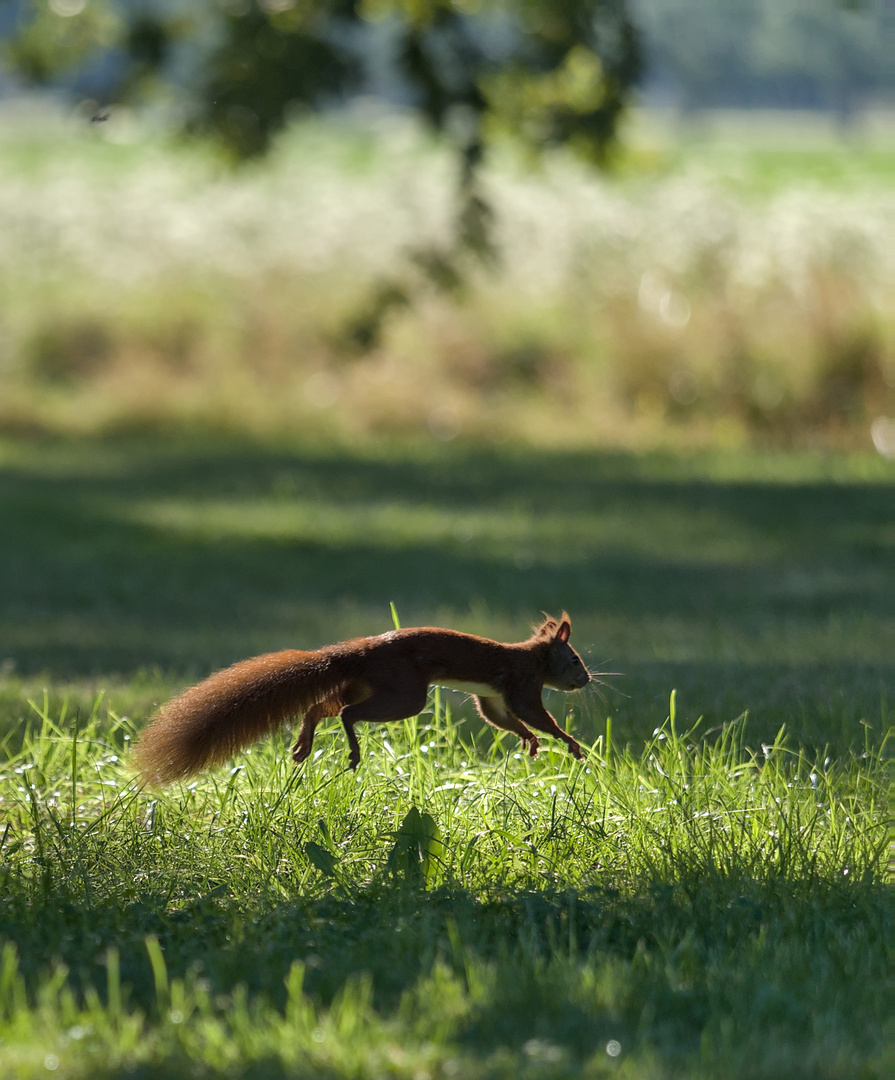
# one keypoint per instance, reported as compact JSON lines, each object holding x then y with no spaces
{"x":119,"y":557}
{"x":535,"y":971}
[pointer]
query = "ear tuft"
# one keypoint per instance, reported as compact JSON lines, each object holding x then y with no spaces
{"x":554,"y":629}
{"x":547,"y":628}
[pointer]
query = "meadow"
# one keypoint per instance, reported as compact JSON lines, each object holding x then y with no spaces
{"x":209,"y":471}
{"x":713,"y":290}
{"x":704,"y":896}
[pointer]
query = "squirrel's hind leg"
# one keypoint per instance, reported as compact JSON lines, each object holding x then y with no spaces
{"x":312,"y":717}
{"x":390,"y":702}
{"x":353,"y":745}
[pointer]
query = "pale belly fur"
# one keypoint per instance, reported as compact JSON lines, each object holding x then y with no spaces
{"x":477,"y":688}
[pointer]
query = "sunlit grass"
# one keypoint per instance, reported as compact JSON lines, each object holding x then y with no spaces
{"x":694,"y":900}
{"x":690,"y":908}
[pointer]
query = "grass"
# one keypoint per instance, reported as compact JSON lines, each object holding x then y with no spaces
{"x":685,"y":909}
{"x":757,"y":582}
{"x":711,"y":290}
{"x":700,"y":898}
{"x":705,"y":895}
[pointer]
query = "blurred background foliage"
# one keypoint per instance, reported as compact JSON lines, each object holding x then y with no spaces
{"x":548,"y":72}
{"x":569,"y":63}
{"x":729,"y":291}
{"x":247,"y":66}
{"x":831,"y":54}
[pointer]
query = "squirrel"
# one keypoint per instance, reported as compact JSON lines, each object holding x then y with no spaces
{"x":366,"y":679}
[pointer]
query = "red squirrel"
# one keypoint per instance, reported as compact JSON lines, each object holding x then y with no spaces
{"x":374,"y":679}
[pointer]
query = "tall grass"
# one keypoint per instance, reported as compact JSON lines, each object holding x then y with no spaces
{"x":686,"y":908}
{"x":703,"y":292}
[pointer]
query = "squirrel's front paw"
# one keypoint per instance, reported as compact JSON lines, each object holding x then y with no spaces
{"x":531,"y":744}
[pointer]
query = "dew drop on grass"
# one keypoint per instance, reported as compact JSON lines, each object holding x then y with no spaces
{"x":613,"y":1048}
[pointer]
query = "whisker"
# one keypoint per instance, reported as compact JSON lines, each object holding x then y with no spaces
{"x":596,"y":680}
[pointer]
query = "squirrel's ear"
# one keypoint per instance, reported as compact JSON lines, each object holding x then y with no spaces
{"x":564,"y":632}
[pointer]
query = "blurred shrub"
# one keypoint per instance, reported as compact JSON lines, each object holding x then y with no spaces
{"x":67,"y":350}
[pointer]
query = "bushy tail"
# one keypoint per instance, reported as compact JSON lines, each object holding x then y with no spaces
{"x":209,"y":722}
